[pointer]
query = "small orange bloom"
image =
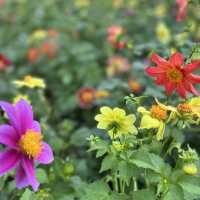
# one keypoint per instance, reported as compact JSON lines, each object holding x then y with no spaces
{"x":86,"y":96}
{"x":49,"y":49}
{"x":33,"y":55}
{"x":135,"y":86}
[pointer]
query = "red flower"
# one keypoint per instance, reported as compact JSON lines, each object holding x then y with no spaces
{"x":86,"y":96}
{"x":182,"y":6}
{"x":115,"y":34}
{"x":33,"y":55}
{"x":174,"y":75}
{"x":4,"y":62}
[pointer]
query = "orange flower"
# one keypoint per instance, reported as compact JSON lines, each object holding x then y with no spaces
{"x":86,"y":96}
{"x":33,"y":55}
{"x":49,"y":49}
{"x":134,"y":86}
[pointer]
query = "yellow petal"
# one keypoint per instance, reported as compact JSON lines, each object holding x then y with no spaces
{"x":149,"y":122}
{"x":143,"y":110}
{"x":106,"y":110}
{"x":161,"y":131}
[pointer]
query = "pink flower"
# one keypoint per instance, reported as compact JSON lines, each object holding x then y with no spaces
{"x":24,"y":146}
{"x":4,"y":62}
{"x":115,"y":34}
{"x":182,"y":6}
{"x":117,"y":65}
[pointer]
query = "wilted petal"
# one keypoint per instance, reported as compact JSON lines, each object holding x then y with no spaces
{"x":28,"y":166}
{"x":176,"y":59}
{"x":25,"y":113}
{"x":21,"y":178}
{"x":8,"y":136}
{"x":9,"y":159}
{"x":46,"y":155}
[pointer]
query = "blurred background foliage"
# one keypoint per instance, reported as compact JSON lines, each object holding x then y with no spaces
{"x":65,"y":42}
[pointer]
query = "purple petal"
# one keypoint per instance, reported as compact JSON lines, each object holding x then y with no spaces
{"x":28,"y":166}
{"x":8,"y":136}
{"x":46,"y":155}
{"x":11,"y":113}
{"x":25,"y":113}
{"x":36,"y":126}
{"x":21,"y":178}
{"x":9,"y":159}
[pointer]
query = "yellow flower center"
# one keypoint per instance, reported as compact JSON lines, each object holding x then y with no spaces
{"x":31,"y":144}
{"x":158,"y":112}
{"x":174,"y":75}
{"x":184,"y":107}
{"x":28,"y":78}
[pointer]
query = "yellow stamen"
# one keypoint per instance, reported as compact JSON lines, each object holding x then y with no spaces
{"x":31,"y":144}
{"x":158,"y":112}
{"x":174,"y":75}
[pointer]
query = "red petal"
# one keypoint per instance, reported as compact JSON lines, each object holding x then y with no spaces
{"x":193,"y":78}
{"x":181,"y":90}
{"x":152,"y":71}
{"x":194,"y":91}
{"x":158,"y":60}
{"x":176,"y":59}
{"x":160,"y":79}
{"x":192,"y":66}
{"x":169,"y":87}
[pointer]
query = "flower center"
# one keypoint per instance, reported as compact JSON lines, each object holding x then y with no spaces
{"x":87,"y":97}
{"x":31,"y":144}
{"x":158,"y":112}
{"x":184,"y":107}
{"x":174,"y":75}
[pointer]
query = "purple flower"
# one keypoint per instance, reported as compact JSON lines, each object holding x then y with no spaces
{"x":23,"y":140}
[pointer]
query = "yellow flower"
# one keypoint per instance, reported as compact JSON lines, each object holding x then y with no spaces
{"x":37,"y":35}
{"x":21,"y":96}
{"x":194,"y":103}
{"x":160,"y":10}
{"x":100,"y":94}
{"x":156,"y":118}
{"x":116,"y":122}
{"x":163,"y":33}
{"x":190,"y":169}
{"x":31,"y":82}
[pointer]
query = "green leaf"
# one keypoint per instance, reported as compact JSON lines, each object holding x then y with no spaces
{"x":144,"y":195}
{"x":190,"y":184}
{"x":109,"y":162}
{"x":27,"y":195}
{"x":148,"y":160}
{"x":174,"y":192}
{"x":41,"y":175}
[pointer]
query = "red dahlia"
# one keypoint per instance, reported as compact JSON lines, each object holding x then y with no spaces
{"x":174,"y":74}
{"x":4,"y":62}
